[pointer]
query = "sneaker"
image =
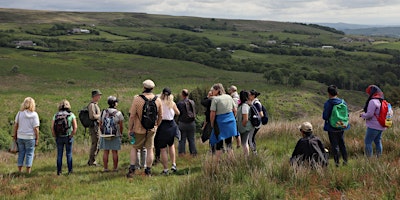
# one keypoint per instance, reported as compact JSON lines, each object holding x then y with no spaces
{"x":173,"y":168}
{"x":165,"y":172}
{"x":106,"y":170}
{"x":130,"y":173}
{"x":147,"y":171}
{"x":58,"y":173}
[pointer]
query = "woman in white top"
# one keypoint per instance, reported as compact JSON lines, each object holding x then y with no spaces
{"x":26,"y":133}
{"x":167,"y":130}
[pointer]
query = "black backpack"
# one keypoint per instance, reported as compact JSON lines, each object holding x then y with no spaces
{"x":190,"y":114}
{"x":84,"y":117}
{"x":149,"y":113}
{"x":318,"y":157}
{"x":255,"y":117}
{"x":61,"y":126}
{"x":109,"y":127}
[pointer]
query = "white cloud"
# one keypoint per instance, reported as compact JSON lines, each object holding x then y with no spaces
{"x":309,"y":11}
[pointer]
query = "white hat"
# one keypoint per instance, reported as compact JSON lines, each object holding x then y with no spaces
{"x":148,"y":84}
{"x":306,"y":127}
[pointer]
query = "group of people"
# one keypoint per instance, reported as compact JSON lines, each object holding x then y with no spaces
{"x":226,"y":116}
{"x":310,"y":150}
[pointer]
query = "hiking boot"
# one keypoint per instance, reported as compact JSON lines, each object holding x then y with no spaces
{"x":147,"y":171}
{"x":173,"y":168}
{"x":130,"y":173}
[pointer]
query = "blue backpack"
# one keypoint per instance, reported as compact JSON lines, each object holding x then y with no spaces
{"x":109,"y":127}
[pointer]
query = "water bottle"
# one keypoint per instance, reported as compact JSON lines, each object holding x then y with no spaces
{"x":132,"y":138}
{"x":389,"y":115}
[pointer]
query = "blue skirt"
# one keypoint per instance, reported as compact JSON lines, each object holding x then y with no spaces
{"x":227,"y":128}
{"x":110,"y":143}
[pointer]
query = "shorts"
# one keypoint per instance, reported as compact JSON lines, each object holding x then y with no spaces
{"x":144,"y":140}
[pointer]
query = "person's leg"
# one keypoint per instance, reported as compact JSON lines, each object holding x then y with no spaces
{"x":369,"y":137}
{"x":218,"y":150}
{"x":342,"y":147}
{"x":172,"y":157}
{"x":106,"y":152}
{"x":115,"y":159}
{"x":132,"y":167}
{"x":94,"y":149}
{"x":250,"y":142}
{"x":253,"y":140}
{"x":60,"y":150}
{"x":21,"y":153}
{"x":164,"y":159}
{"x":182,"y":142}
{"x":245,"y":143}
{"x":378,"y":143}
{"x":229,"y":150}
{"x":68,"y":152}
{"x":30,"y":154}
{"x":192,"y":139}
{"x":333,"y":139}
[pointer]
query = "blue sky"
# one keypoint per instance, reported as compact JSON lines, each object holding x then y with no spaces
{"x":370,"y":12}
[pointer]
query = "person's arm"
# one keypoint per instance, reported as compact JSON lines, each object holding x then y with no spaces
{"x":15,"y":131}
{"x":325,"y":113}
{"x":36,"y":130}
{"x":259,"y":109}
{"x":93,"y":115}
{"x":52,"y":128}
{"x":245,"y":119}
{"x":176,"y":110}
{"x":212,"y":118}
{"x":159,"y":108}
{"x":74,"y":127}
{"x":132,"y":113}
{"x":370,"y":110}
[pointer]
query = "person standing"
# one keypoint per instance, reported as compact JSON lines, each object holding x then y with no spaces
{"x":63,"y":129}
{"x":371,"y":110}
{"x":253,"y":94}
{"x":167,"y":131}
{"x":26,"y":133}
{"x":94,"y":129}
{"x":232,"y":90}
{"x":187,"y":124}
{"x":111,"y":142}
{"x":245,"y":127}
{"x":222,"y":119}
{"x":336,"y":135}
{"x":143,"y":137}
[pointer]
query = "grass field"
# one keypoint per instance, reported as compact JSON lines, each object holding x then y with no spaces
{"x":266,"y":176}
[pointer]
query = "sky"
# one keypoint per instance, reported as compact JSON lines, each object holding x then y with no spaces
{"x":366,"y":12}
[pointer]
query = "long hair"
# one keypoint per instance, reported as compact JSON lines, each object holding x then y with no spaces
{"x":168,"y":100}
{"x":244,"y":96}
{"x":219,"y":87}
{"x":28,"y":104}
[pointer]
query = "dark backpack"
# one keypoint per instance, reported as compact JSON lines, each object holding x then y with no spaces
{"x":190,"y":114}
{"x":318,"y":157}
{"x":149,"y":113}
{"x":255,"y":117}
{"x":109,"y":127}
{"x":61,"y":126}
{"x":84,"y":117}
{"x":264,"y":119}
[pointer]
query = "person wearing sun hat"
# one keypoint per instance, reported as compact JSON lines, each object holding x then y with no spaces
{"x":309,"y":149}
{"x":94,"y":114}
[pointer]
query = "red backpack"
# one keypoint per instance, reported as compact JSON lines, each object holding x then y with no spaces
{"x":385,"y":114}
